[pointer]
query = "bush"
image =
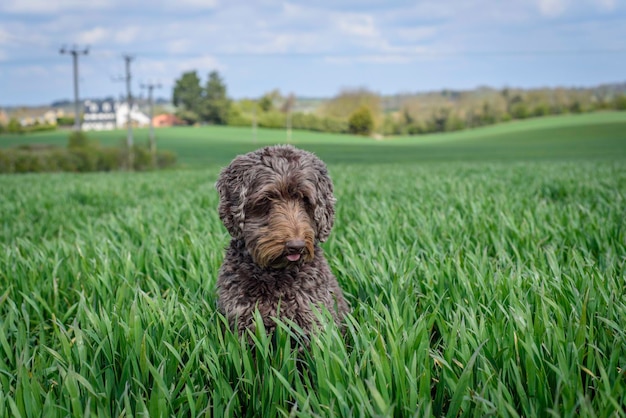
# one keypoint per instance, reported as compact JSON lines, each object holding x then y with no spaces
{"x":361,"y":121}
{"x":187,"y":116}
{"x":40,"y":127}
{"x":81,"y":155}
{"x":14,"y":127}
{"x":576,"y":107}
{"x":236,"y":118}
{"x":519,"y":111}
{"x":142,"y":158}
{"x":109,"y":159}
{"x":78,"y":139}
{"x":65,"y":121}
{"x":272,"y":120}
{"x":165,"y":159}
{"x":6,"y":161}
{"x":619,"y":102}
{"x":454,"y":123}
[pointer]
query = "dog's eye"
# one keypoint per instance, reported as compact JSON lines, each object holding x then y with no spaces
{"x":264,"y":202}
{"x":306,"y":200}
{"x":260,"y":206}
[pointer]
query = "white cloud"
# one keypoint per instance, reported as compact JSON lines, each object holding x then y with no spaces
{"x":51,"y":7}
{"x":178,"y":46}
{"x":93,"y":36}
{"x":551,"y":8}
{"x":191,"y":4}
{"x":361,"y":25}
{"x":605,"y":5}
{"x":371,"y":59}
{"x":4,"y":36}
{"x":416,"y":34}
{"x":127,"y":35}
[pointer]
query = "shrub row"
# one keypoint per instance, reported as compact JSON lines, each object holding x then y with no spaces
{"x":304,"y":121}
{"x":34,"y":159}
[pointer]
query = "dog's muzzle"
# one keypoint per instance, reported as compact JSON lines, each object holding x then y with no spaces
{"x":294,"y":249}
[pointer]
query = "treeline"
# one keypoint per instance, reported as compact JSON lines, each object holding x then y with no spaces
{"x":14,"y":127}
{"x":81,"y":155}
{"x":450,"y":111}
{"x":360,"y":111}
{"x":210,"y":104}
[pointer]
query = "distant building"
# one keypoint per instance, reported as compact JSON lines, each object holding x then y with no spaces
{"x":35,"y":115}
{"x":99,"y":116}
{"x":165,"y":120}
{"x":107,"y":115}
{"x":137,"y":117}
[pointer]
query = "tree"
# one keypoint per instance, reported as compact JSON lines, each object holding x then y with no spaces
{"x":361,"y":121}
{"x":14,"y":127}
{"x":188,"y":94}
{"x":348,"y":101}
{"x":619,"y":102}
{"x":216,"y":104}
{"x":266,"y":102}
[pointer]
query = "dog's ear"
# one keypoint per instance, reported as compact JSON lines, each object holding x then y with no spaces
{"x":232,"y":187}
{"x":324,"y":213}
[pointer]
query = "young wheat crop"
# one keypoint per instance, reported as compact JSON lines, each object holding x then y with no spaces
{"x":476,"y":289}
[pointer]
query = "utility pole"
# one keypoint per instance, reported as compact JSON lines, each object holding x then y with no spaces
{"x":151,"y":87}
{"x":129,"y":120}
{"x":75,"y":52}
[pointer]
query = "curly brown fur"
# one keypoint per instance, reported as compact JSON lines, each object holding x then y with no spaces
{"x":278,"y":205}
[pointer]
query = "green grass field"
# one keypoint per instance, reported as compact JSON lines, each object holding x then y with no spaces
{"x":486,"y":271}
{"x":584,"y":136}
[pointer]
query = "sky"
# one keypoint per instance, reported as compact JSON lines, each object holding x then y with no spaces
{"x":308,"y":48}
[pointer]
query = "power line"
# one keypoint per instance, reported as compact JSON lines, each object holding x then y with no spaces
{"x":75,"y":52}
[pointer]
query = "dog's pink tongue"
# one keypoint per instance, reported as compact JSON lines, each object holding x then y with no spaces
{"x":293,"y":257}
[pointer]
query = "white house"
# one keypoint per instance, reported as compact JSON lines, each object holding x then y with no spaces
{"x":138,"y":118}
{"x":107,"y":115}
{"x":99,"y":116}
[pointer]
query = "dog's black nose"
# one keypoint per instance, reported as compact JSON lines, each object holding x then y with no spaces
{"x":295,"y":246}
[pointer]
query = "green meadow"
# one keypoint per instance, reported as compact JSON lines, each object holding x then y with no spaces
{"x":485,"y":269}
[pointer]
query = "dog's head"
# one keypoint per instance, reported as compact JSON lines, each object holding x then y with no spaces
{"x":280,"y":201}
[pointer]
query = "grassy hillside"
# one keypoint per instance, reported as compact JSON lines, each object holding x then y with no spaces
{"x":601,"y":135}
{"x":488,"y":281}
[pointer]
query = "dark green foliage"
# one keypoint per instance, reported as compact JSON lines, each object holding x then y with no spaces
{"x":576,"y":107}
{"x":619,"y":103}
{"x":187,"y":94}
{"x":519,"y":110}
{"x":14,"y":127}
{"x":189,"y":117}
{"x":266,"y":103}
{"x":201,"y":104}
{"x":78,"y":139}
{"x":272,"y":120}
{"x":312,"y":122}
{"x":65,"y":121}
{"x":361,"y":121}
{"x":216,"y":104}
{"x":81,"y":155}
